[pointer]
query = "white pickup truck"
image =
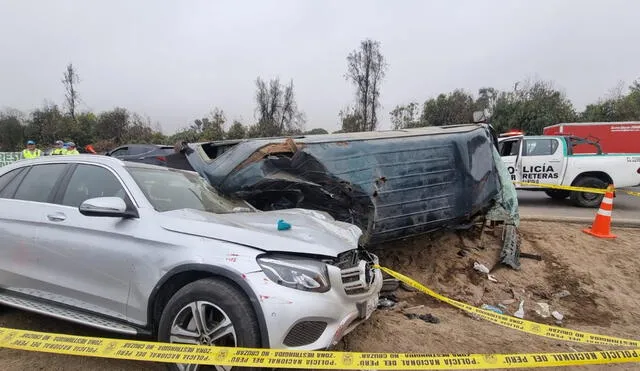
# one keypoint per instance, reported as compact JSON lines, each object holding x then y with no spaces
{"x":549,"y":159}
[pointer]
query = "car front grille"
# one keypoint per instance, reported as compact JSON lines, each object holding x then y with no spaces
{"x":356,"y":269}
{"x":304,"y":333}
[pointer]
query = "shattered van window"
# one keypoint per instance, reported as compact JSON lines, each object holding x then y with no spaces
{"x":168,"y":190}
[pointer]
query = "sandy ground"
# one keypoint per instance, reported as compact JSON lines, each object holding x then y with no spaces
{"x":600,"y":275}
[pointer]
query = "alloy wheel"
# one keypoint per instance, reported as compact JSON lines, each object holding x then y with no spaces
{"x":203,"y":323}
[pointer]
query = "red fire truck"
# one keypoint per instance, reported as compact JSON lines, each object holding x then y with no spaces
{"x":613,"y":137}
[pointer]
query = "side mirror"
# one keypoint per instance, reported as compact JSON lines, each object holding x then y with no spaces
{"x":105,"y":206}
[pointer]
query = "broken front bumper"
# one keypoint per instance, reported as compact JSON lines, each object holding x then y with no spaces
{"x":310,"y":321}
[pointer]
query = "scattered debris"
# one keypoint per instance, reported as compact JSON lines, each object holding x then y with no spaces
{"x":517,"y":295}
{"x":462,"y":253}
{"x":520,"y":312}
{"x":429,"y":318}
{"x":508,"y":301}
{"x":557,"y":315}
{"x":543,"y":310}
{"x":480,"y":268}
{"x":483,"y":269}
{"x":389,"y":285}
{"x":386,"y":303}
{"x":492,"y":308}
{"x":562,"y":294}
{"x":531,"y":256}
{"x":510,"y":253}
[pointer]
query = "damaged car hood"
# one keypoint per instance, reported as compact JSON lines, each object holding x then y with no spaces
{"x":311,"y":232}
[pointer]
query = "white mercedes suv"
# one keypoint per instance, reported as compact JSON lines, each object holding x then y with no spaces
{"x":146,"y":250}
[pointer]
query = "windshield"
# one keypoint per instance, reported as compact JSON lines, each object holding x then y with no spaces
{"x":175,"y":189}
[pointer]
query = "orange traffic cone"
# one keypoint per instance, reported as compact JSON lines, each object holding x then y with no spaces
{"x":601,"y":226}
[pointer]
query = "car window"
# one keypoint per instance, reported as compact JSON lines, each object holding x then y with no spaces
{"x":39,"y":182}
{"x":170,"y":189}
{"x":119,"y":152}
{"x":9,"y":182}
{"x":138,"y":150}
{"x":90,"y":181}
{"x":166,"y":151}
{"x":540,"y":147}
{"x":509,"y":147}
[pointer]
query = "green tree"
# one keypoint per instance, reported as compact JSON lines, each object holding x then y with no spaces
{"x":623,"y":106}
{"x":351,"y":120}
{"x":487,"y":98}
{"x":213,"y":129}
{"x":316,"y":131}
{"x":236,"y":131}
{"x":602,"y":111}
{"x":186,"y":135}
{"x":366,"y":68}
{"x":48,"y":124}
{"x":407,"y":116}
{"x":11,"y":133}
{"x":85,"y":128}
{"x":531,"y":106}
{"x":113,"y":125}
{"x":276,"y":109}
{"x":456,"y":107}
{"x":71,"y":81}
{"x":138,"y":130}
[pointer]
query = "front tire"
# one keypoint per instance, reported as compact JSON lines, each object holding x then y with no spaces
{"x":209,"y":312}
{"x":583,"y":199}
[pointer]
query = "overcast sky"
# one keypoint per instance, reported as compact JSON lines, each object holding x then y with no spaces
{"x":176,"y":60}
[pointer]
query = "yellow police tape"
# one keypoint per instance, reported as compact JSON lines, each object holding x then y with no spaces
{"x":564,"y":188}
{"x":270,"y":358}
{"x":576,"y":189}
{"x":632,"y":193}
{"x":515,"y":323}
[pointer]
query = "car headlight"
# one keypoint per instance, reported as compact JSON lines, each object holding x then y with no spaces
{"x":299,"y":274}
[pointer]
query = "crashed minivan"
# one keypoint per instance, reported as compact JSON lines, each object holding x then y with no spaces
{"x":391,"y":184}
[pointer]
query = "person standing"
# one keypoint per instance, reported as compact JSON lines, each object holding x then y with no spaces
{"x":31,"y":151}
{"x":71,"y":149}
{"x":58,"y":150}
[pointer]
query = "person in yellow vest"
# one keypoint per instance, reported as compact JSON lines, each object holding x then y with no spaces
{"x":71,"y":149}
{"x":31,"y":151}
{"x":58,"y":150}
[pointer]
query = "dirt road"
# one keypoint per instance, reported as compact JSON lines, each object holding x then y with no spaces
{"x":599,"y":275}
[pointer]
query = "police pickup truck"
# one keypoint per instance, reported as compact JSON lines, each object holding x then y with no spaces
{"x":550,"y":160}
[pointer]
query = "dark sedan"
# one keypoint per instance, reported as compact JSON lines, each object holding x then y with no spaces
{"x":154,"y":154}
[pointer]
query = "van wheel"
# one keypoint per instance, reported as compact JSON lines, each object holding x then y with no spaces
{"x":557,"y":194}
{"x":584,"y":199}
{"x":209,"y":312}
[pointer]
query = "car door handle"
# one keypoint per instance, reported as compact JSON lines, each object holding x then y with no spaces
{"x":57,"y":217}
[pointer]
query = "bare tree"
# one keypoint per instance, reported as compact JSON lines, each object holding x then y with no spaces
{"x":277,"y":111}
{"x":366,"y":67}
{"x":70,"y":81}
